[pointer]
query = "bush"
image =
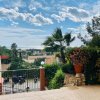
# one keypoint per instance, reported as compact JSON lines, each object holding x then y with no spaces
{"x":88,"y":57}
{"x":68,"y":68}
{"x":50,"y":71}
{"x":57,"y":81}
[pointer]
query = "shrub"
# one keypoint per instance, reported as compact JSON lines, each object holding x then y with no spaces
{"x":68,"y":68}
{"x":87,"y":56}
{"x":57,"y":81}
{"x":50,"y":71}
{"x":38,"y":61}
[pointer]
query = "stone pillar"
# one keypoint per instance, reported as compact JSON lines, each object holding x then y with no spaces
{"x":42,"y":79}
{"x":0,"y":88}
{"x":0,"y":77}
{"x":1,"y":81}
{"x":78,"y":79}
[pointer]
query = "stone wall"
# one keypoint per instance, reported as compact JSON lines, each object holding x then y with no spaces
{"x":73,"y":80}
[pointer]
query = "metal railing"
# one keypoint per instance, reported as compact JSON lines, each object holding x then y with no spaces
{"x":21,"y":80}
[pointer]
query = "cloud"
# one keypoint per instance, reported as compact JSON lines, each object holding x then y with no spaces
{"x":14,"y":23}
{"x":58,"y":17}
{"x":96,"y":9}
{"x":25,"y":38}
{"x":13,"y":3}
{"x":79,"y":29}
{"x":34,"y":5}
{"x":18,"y":30}
{"x":73,"y":13}
{"x":39,"y":20}
{"x":12,"y":14}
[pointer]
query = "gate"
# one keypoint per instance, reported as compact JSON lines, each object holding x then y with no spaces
{"x":23,"y":80}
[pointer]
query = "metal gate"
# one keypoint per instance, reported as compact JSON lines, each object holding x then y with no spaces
{"x":23,"y":80}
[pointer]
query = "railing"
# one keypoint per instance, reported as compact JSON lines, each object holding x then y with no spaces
{"x":23,"y":80}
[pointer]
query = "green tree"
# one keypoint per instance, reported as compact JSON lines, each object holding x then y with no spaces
{"x":6,"y":52}
{"x":57,"y":43}
{"x":16,"y":60}
{"x":14,"y":50}
{"x":38,"y":61}
{"x":93,"y":30}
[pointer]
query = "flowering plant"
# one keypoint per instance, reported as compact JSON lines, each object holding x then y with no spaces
{"x":79,"y":56}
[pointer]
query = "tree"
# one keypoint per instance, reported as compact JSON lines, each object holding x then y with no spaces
{"x":14,"y":50}
{"x":38,"y":61}
{"x":5,"y":52}
{"x":16,"y":61}
{"x":93,"y":30}
{"x":57,"y":43}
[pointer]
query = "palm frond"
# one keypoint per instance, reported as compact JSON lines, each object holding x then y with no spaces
{"x":57,"y":35}
{"x":48,"y":41}
{"x":72,"y":39}
{"x":68,"y":38}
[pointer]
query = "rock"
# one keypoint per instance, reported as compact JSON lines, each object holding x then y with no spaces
{"x":73,"y":80}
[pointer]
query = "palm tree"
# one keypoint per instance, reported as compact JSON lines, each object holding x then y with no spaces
{"x":68,"y":38}
{"x":14,"y":46}
{"x":57,"y":43}
{"x":14,"y":50}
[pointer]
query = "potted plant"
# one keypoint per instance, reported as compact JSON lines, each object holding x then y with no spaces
{"x":78,"y":68}
{"x":77,"y":59}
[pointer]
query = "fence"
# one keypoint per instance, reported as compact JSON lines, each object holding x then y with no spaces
{"x":23,"y":80}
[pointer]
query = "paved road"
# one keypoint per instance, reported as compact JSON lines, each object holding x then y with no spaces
{"x":71,"y":93}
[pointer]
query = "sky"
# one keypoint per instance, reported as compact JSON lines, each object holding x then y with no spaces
{"x":29,"y":22}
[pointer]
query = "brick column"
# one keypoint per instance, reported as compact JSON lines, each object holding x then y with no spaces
{"x":0,"y":77}
{"x":42,"y":79}
{"x":1,"y":80}
{"x":0,"y":88}
{"x":0,"y":68}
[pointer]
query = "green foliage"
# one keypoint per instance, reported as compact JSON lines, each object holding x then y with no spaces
{"x":57,"y":81}
{"x":90,"y":67}
{"x":57,"y":43}
{"x":37,"y":62}
{"x":6,"y":52}
{"x":30,"y":53}
{"x":14,"y":46}
{"x":15,"y":64}
{"x":95,"y":42}
{"x":68,"y":38}
{"x":94,"y":32}
{"x":50,"y":71}
{"x":88,"y":57}
{"x":16,"y":60}
{"x":68,"y":68}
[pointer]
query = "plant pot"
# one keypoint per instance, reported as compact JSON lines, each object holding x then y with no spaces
{"x":78,"y":68}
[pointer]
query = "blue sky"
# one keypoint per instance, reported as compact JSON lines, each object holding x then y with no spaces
{"x":29,"y":22}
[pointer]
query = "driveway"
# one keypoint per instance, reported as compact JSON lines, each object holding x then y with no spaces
{"x":65,"y":93}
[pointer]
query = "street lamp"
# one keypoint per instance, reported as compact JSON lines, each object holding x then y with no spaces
{"x":42,"y":63}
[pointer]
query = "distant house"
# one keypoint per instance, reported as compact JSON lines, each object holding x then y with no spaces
{"x":49,"y":59}
{"x":36,"y":52}
{"x":4,"y":66}
{"x":4,"y":62}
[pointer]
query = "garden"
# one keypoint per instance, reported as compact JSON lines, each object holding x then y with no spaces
{"x":72,"y":61}
{"x":76,"y":61}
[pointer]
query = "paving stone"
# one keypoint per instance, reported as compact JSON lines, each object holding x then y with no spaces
{"x":65,"y":93}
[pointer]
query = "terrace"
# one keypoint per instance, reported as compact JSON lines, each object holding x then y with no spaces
{"x":65,"y":93}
